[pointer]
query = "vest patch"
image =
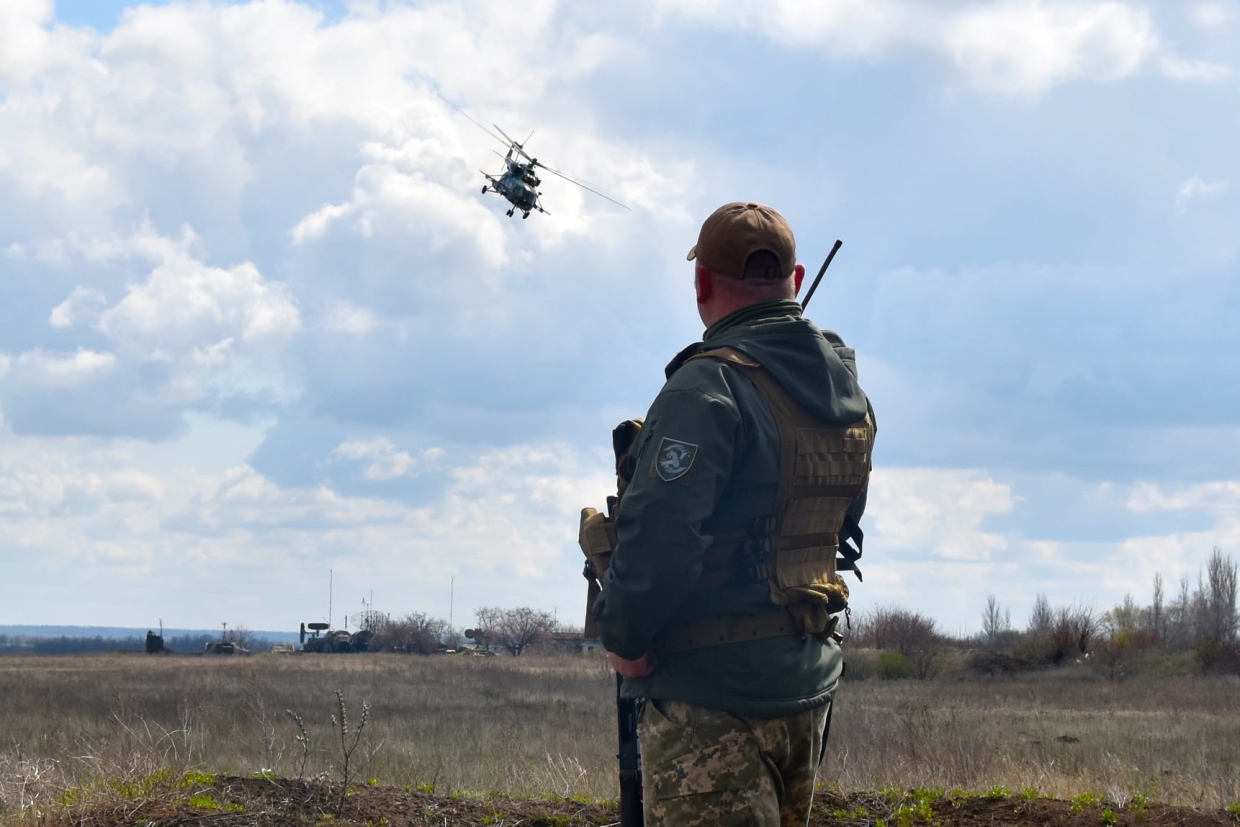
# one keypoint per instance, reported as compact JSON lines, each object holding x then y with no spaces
{"x":674,"y":459}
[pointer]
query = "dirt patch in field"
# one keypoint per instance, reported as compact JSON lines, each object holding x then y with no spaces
{"x":251,"y":802}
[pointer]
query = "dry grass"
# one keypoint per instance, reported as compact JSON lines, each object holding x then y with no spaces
{"x":126,"y":724}
{"x":1062,"y":733}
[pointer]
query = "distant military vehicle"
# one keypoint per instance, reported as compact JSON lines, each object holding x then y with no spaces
{"x":322,"y":639}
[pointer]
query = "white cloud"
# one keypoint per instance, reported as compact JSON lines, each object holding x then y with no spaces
{"x":314,"y":225}
{"x":1221,"y":497}
{"x":83,"y":304}
{"x":343,"y":317}
{"x":79,"y":504}
{"x":1011,"y":45}
{"x":182,"y":298}
{"x":386,"y":463}
{"x":1030,"y":45}
{"x":937,"y":510}
{"x":1196,"y":188}
{"x":42,"y":369}
{"x":1214,"y":15}
{"x":396,"y":194}
{"x":183,"y":335}
{"x":1201,"y":70}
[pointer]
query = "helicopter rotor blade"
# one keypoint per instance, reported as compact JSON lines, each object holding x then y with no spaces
{"x":584,"y":187}
{"x":471,"y":120}
{"x":520,"y":148}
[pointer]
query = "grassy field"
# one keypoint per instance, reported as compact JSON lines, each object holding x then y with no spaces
{"x":545,"y":724}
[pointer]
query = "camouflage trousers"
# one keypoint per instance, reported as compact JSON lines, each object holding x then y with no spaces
{"x":707,"y":767}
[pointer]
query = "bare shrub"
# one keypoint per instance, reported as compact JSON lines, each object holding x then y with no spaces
{"x":1057,"y":636}
{"x":910,"y":634}
{"x":348,"y":746}
{"x":242,"y":636}
{"x":415,"y":633}
{"x":514,"y":629}
{"x":1041,"y":619}
{"x":859,"y":665}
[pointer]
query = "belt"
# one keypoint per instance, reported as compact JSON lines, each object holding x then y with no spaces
{"x":718,"y":631}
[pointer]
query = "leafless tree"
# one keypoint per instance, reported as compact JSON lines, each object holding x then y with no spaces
{"x":1073,"y":631}
{"x":514,"y":629}
{"x":910,"y":633}
{"x":1156,"y":607}
{"x":1218,"y":599}
{"x":415,"y":633}
{"x":995,"y":620}
{"x":241,"y":636}
{"x":1041,"y":619}
{"x":1124,"y":618}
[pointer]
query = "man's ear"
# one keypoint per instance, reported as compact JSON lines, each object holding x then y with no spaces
{"x":798,"y":275}
{"x":703,"y":281}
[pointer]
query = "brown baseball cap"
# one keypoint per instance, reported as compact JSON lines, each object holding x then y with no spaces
{"x":736,"y":231}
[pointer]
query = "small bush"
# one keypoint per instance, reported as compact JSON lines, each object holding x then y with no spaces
{"x":859,"y":665}
{"x":890,"y":666}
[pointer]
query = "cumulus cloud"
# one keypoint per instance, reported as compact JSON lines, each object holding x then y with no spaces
{"x":1214,"y":15}
{"x":1015,"y":46}
{"x":1206,"y":71}
{"x":1195,"y":188}
{"x":79,"y":503}
{"x":395,"y":193}
{"x":383,"y":462}
{"x":184,"y":300}
{"x":939,"y":510}
{"x":83,"y":304}
{"x":1221,"y":497}
{"x":342,"y":317}
{"x":49,"y":370}
{"x":187,"y":334}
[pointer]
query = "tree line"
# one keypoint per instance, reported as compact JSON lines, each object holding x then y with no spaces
{"x":514,"y":630}
{"x":1196,"y":628}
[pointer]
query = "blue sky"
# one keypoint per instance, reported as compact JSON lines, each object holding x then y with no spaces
{"x":259,"y":323}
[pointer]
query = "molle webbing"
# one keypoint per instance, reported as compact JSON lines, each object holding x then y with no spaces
{"x":822,"y":470}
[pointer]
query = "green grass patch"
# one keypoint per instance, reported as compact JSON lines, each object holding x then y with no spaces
{"x":202,"y":801}
{"x":919,"y":809}
{"x":1080,"y":802}
{"x":195,"y":778}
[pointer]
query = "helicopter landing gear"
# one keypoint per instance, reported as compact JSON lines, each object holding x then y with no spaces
{"x":525,"y":214}
{"x":484,"y":190}
{"x":509,"y":213}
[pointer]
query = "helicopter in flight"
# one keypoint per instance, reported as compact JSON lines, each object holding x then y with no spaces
{"x":519,"y":181}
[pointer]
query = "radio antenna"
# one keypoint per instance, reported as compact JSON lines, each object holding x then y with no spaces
{"x":835,"y":249}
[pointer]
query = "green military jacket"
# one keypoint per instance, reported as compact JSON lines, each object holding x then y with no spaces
{"x":707,"y":461}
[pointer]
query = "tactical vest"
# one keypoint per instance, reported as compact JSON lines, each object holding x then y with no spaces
{"x":822,"y":471}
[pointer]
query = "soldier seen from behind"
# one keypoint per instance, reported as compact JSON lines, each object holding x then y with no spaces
{"x":717,"y":562}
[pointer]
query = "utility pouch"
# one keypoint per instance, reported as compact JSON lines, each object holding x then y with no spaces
{"x":597,"y":532}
